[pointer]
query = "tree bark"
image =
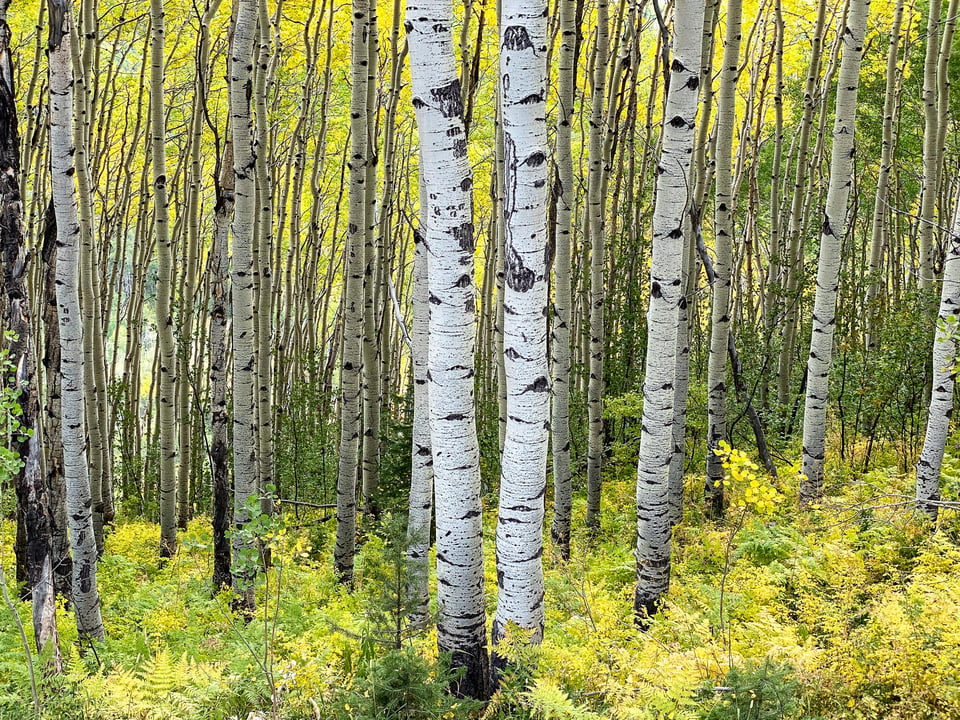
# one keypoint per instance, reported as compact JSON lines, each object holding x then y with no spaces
{"x":944,"y":377}
{"x":523,"y":48}
{"x":560,"y":328}
{"x":831,"y":239}
{"x":33,"y":500}
{"x":243,"y":300}
{"x":449,"y":240}
{"x":656,"y":437}
{"x":86,"y":598}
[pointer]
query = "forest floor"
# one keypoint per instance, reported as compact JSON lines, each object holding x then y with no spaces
{"x":848,"y":610}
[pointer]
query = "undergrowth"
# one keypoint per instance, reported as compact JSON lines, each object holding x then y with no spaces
{"x":850,"y":610}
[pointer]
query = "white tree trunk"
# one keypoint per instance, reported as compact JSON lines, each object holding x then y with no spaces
{"x":449,"y":242}
{"x":351,"y":360}
{"x":244,"y":356}
{"x":831,"y":240}
{"x":523,"y":465}
{"x":723,"y":246}
{"x":663,"y":318}
{"x":931,"y":157}
{"x":165,"y":285}
{"x":86,"y":599}
{"x":421,"y":477}
{"x":562,"y":297}
{"x":595,"y":229}
{"x":944,"y":378}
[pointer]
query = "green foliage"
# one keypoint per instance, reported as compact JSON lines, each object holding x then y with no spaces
{"x":306,"y":442}
{"x":401,"y":685}
{"x":767,"y":691}
{"x":382,"y":579}
{"x":396,"y":446}
{"x":880,"y":395}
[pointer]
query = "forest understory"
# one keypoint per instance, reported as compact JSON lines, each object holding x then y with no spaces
{"x":848,"y":610}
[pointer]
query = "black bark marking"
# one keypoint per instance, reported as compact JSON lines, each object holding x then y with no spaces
{"x":516,"y":37}
{"x":519,"y":278}
{"x":449,"y":99}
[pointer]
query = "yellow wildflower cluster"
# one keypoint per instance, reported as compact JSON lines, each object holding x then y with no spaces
{"x":742,"y":478}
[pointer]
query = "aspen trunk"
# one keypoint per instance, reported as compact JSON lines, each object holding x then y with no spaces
{"x":165,"y":285}
{"x":33,"y":499}
{"x":421,"y":478}
{"x":831,"y":239}
{"x":944,"y":378}
{"x":218,"y":274}
{"x":595,"y":232}
{"x":449,"y":241}
{"x":52,"y":410}
{"x":795,"y":223}
{"x":881,"y":197}
{"x":724,"y":204}
{"x":560,"y":328}
{"x":243,"y":300}
{"x":666,"y":271}
{"x":523,"y":47}
{"x":86,"y":598}
{"x":931,"y":156}
{"x":351,"y":404}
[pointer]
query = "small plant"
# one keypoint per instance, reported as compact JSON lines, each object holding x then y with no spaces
{"x":401,"y":685}
{"x":753,"y":692}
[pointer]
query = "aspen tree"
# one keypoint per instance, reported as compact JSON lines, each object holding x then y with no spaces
{"x":723,"y":246}
{"x":931,"y":156}
{"x":831,"y":238}
{"x":595,"y":232}
{"x":218,"y":277}
{"x":878,"y":231}
{"x":54,"y":478}
{"x":421,"y":477}
{"x":449,"y":242}
{"x":191,"y":268}
{"x":523,"y":48}
{"x":263,"y":272}
{"x":560,"y":327}
{"x":86,"y":598}
{"x":944,"y":378}
{"x":351,"y":360}
{"x":161,"y":223}
{"x":795,"y":222}
{"x":372,"y":257}
{"x":84,"y":59}
{"x":772,"y":289}
{"x":243,"y":300}
{"x":666,"y":268}
{"x":33,"y":498}
{"x":689,"y":281}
